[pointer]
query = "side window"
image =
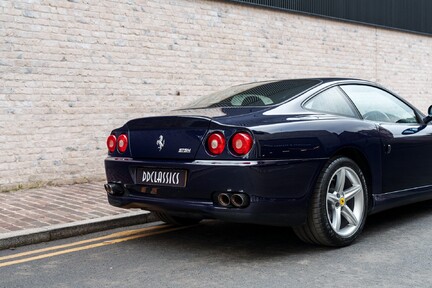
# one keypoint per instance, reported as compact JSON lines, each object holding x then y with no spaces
{"x":331,"y":101}
{"x":378,"y":105}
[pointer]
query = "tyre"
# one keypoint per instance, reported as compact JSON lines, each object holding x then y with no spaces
{"x":174,"y":220}
{"x":338,"y":207}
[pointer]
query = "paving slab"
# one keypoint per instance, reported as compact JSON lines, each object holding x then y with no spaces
{"x":43,"y":214}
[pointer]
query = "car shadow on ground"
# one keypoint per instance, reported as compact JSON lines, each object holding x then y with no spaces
{"x":229,"y":241}
{"x":408,"y":215}
{"x":234,"y":242}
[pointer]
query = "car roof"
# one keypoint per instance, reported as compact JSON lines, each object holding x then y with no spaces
{"x":326,"y":80}
{"x":334,"y":79}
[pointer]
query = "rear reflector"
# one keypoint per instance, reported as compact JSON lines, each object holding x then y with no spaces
{"x":111,"y":143}
{"x":241,"y":143}
{"x":122,"y":143}
{"x":216,"y":143}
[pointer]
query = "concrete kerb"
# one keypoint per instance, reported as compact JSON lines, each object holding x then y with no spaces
{"x":60,"y":231}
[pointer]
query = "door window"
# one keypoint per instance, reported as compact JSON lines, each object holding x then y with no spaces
{"x":378,"y":105}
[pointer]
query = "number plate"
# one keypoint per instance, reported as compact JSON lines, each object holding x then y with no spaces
{"x":161,"y":177}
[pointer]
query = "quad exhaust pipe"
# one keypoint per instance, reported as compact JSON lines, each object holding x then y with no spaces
{"x":229,"y":200}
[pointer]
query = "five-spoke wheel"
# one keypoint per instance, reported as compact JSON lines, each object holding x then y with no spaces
{"x":345,"y":201}
{"x":338,"y":206}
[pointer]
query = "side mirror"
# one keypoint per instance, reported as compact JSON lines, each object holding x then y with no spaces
{"x":428,"y":118}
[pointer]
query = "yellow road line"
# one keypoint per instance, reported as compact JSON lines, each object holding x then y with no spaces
{"x":105,"y":243}
{"x":114,"y":235}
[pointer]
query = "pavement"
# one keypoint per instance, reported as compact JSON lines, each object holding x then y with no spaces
{"x":32,"y":216}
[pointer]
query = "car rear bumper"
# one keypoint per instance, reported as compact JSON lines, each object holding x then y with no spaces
{"x":278,"y":191}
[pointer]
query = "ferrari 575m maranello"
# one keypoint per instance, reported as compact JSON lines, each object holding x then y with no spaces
{"x":315,"y":154}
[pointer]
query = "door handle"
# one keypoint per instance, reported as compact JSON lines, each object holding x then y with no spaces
{"x":387,"y":148}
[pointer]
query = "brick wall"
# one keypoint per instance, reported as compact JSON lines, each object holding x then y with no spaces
{"x":70,"y":71}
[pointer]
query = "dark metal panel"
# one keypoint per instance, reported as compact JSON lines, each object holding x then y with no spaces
{"x":408,"y":15}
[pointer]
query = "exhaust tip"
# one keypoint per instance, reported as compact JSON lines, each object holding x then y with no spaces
{"x":239,"y":200}
{"x":114,"y":189}
{"x":224,"y":199}
{"x":108,"y":188}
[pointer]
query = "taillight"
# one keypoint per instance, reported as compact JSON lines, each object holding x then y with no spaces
{"x":241,"y":143}
{"x":111,"y":143}
{"x":216,"y":143}
{"x":122,"y":143}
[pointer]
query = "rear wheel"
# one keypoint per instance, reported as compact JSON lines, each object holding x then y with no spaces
{"x":338,"y":207}
{"x":174,"y":220}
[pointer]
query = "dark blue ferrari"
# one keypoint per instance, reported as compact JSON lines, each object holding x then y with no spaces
{"x":315,"y":154}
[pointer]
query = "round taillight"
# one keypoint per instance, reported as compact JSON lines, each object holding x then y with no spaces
{"x":111,"y":143}
{"x":216,"y":143}
{"x":241,"y":143}
{"x":122,"y":143}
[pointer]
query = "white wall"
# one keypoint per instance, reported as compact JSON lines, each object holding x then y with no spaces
{"x":70,"y":71}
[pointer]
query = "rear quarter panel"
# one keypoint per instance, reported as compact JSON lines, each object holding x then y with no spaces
{"x":321,"y":138}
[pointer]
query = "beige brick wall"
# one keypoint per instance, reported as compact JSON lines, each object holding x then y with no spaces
{"x":70,"y":71}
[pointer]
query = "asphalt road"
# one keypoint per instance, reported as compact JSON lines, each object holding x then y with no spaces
{"x":395,"y":250}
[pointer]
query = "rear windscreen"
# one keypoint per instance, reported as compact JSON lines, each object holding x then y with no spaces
{"x":255,"y":94}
